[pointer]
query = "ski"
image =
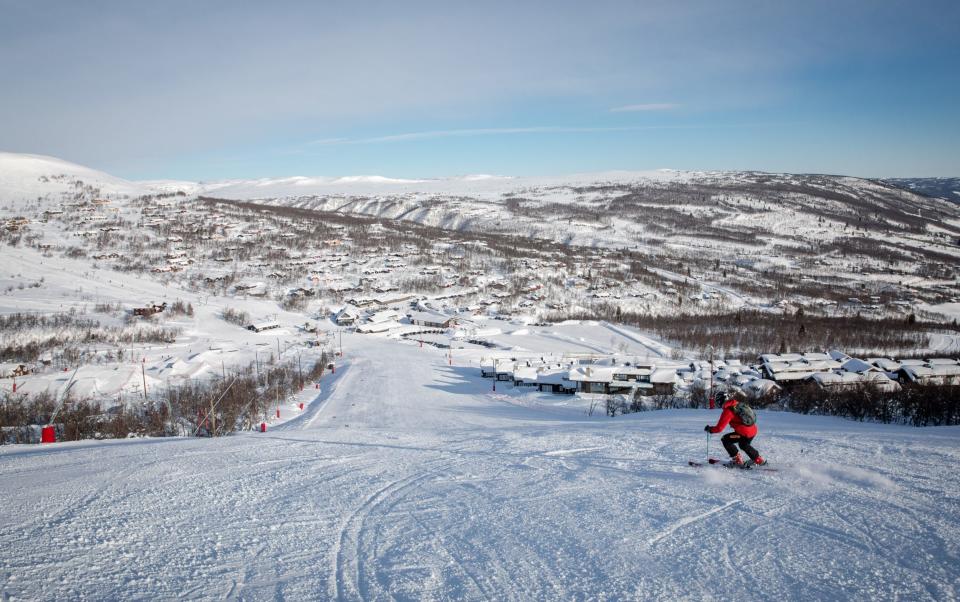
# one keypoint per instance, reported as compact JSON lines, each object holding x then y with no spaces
{"x":718,"y":462}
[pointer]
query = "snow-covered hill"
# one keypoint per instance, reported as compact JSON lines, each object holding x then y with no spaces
{"x":26,"y":178}
{"x":480,"y":185}
{"x":804,"y":226}
{"x":688,"y":210}
{"x":944,"y":188}
{"x":724,"y":239}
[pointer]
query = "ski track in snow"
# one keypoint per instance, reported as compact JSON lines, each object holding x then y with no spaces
{"x":690,"y":519}
{"x":658,"y":350}
{"x":407,"y":479}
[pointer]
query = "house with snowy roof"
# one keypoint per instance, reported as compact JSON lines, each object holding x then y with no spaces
{"x":348,"y":316}
{"x":262,"y":326}
{"x":556,"y":380}
{"x":8,"y":370}
{"x":430,"y":319}
{"x":598,"y":379}
{"x":946,"y":372}
{"x":792,"y":368}
{"x":361,"y":301}
{"x":525,"y":374}
{"x":387,"y":315}
{"x":853,"y":380}
{"x":756,"y":388}
{"x":503,"y":369}
{"x":663,"y":381}
{"x":886,"y":365}
{"x":614,"y":379}
{"x":378,"y":327}
{"x":858,"y":366}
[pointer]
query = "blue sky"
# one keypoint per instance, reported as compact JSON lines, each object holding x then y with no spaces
{"x":209,"y":89}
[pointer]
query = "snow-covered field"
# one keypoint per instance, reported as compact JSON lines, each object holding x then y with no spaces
{"x":407,"y":478}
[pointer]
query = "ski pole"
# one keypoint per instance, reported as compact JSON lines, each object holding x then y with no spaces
{"x":708,"y":446}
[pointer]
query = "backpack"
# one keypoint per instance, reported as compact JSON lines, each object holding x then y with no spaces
{"x":745,"y":413}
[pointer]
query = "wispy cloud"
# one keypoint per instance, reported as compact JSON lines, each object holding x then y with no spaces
{"x":461,"y":133}
{"x":652,"y":106}
{"x":328,"y":141}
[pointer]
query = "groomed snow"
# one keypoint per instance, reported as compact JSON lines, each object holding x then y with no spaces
{"x":409,"y":479}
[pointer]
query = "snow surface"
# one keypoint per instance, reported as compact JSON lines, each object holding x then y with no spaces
{"x":407,"y":478}
{"x":20,"y":175}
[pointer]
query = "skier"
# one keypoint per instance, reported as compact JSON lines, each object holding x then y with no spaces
{"x":743,"y":419}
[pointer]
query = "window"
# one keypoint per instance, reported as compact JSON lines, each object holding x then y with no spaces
{"x":594,"y":387}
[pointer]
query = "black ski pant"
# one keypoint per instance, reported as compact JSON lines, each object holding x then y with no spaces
{"x":732,"y":440}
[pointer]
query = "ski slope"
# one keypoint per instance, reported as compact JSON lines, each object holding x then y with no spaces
{"x":408,"y":479}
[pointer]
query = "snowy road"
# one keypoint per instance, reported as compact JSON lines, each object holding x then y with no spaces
{"x":409,"y":481}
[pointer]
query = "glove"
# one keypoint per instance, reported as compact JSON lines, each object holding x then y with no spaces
{"x":708,"y":428}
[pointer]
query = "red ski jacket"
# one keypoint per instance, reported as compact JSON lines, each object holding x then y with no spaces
{"x":728,"y":417}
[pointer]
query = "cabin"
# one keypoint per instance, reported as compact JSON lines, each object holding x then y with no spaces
{"x":301,"y":292}
{"x":886,"y":365}
{"x":263,"y":326}
{"x":16,"y":223}
{"x":832,"y":381}
{"x":556,"y":381}
{"x":149,"y":310}
{"x":858,"y":366}
{"x":944,"y":372}
{"x":347,"y":316}
{"x":430,"y":320}
{"x":525,"y":375}
{"x":758,"y":388}
{"x":361,"y":302}
{"x":387,"y":315}
{"x":14,"y":370}
{"x":663,"y":381}
{"x":502,"y":367}
{"x":605,"y":380}
{"x":792,"y":368}
{"x":503,"y":370}
{"x":377,"y":327}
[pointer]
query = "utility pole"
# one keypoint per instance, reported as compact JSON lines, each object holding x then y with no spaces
{"x":299,"y":372}
{"x":143,"y":373}
{"x":712,"y":402}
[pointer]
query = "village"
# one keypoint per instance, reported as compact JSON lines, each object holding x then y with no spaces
{"x":302,"y":259}
{"x":505,"y":303}
{"x":618,"y":374}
